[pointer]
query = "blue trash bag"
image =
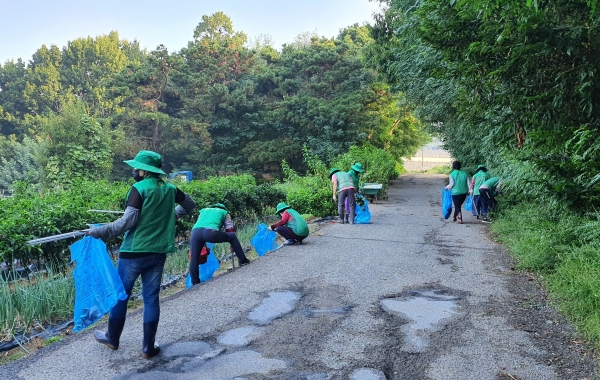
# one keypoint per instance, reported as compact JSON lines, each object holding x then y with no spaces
{"x":363,"y":215}
{"x":446,"y":203}
{"x":474,"y":208}
{"x":98,"y":286}
{"x":207,"y":269}
{"x":264,"y":240}
{"x":469,"y":204}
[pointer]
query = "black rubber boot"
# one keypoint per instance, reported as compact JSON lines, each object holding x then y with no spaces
{"x":111,"y":337}
{"x":150,"y":349}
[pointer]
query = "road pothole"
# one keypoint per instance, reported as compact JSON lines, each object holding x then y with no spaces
{"x":239,"y":337}
{"x":276,"y":305}
{"x":427,"y":311}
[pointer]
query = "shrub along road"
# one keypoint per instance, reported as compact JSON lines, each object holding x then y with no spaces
{"x":409,"y":296}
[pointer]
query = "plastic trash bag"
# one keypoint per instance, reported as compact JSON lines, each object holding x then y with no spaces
{"x":469,"y":204}
{"x":362,"y":213}
{"x":264,"y":240}
{"x":98,"y":286}
{"x":206,"y":270}
{"x":446,"y":203}
{"x":474,"y":210}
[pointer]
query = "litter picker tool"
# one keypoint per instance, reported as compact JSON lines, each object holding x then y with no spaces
{"x":107,"y":211}
{"x":66,"y":235}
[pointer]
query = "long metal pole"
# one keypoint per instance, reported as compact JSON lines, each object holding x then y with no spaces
{"x":49,"y":239}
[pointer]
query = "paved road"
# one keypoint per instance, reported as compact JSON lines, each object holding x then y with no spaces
{"x":410,"y":296}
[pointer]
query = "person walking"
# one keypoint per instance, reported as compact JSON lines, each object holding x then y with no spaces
{"x":149,"y":228}
{"x":481,"y":175}
{"x":354,"y":174}
{"x":489,"y":190}
{"x":208,"y":229}
{"x":343,"y":189}
{"x":459,"y":184}
{"x":292,"y":225}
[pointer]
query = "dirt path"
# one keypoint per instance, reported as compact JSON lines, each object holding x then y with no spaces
{"x":409,"y":296}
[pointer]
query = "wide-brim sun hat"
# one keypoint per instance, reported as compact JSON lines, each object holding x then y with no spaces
{"x":358,"y":167}
{"x":219,"y":205}
{"x":282,"y":207}
{"x":333,"y":171}
{"x":147,"y":160}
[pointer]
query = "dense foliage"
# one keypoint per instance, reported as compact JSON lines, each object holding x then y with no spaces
{"x":219,"y":106}
{"x":512,"y":84}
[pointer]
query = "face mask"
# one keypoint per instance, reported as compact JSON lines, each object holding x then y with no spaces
{"x":136,"y":175}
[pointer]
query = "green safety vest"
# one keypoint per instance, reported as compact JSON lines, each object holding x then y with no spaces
{"x":354,"y":176}
{"x":479,"y":178}
{"x":297,"y":224}
{"x":343,"y":180}
{"x":212,"y":218}
{"x":155,"y":230}
{"x":492,"y":184}
{"x":460,"y":182}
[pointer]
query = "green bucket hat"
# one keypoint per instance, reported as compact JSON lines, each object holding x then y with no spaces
{"x":219,"y":205}
{"x":333,"y":171}
{"x":147,"y":160}
{"x":282,"y":207}
{"x":358,"y":167}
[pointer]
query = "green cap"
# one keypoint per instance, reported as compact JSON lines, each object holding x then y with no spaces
{"x":358,"y":167}
{"x":147,"y":160}
{"x":282,"y":207}
{"x":333,"y":171}
{"x":219,"y":205}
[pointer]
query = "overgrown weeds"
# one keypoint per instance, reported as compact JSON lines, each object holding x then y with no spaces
{"x":564,"y":249}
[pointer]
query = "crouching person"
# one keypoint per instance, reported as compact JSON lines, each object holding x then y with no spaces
{"x":208,"y":230}
{"x":149,"y":227}
{"x":292,"y":225}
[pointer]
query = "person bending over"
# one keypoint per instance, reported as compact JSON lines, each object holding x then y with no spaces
{"x":292,"y":225}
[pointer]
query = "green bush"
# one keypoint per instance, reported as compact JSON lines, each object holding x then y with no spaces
{"x":379,"y":165}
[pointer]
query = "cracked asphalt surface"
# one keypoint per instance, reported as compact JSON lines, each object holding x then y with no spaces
{"x":409,"y":296}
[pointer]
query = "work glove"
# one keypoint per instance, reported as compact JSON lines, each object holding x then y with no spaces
{"x":94,"y":232}
{"x":335,"y":198}
{"x":273,"y":227}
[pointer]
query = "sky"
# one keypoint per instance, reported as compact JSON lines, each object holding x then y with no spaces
{"x":25,"y":25}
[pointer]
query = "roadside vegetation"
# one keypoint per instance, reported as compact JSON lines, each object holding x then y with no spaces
{"x":513,"y":85}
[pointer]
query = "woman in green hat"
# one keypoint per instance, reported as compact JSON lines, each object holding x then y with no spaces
{"x":354,"y":172}
{"x":207,"y":229}
{"x":292,"y":225}
{"x":481,"y":175}
{"x":343,"y":186}
{"x":149,"y":227}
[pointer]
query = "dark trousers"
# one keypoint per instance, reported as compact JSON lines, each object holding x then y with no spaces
{"x":458,"y":201}
{"x":201,"y":236}
{"x":150,"y":268}
{"x":288,"y":233}
{"x":342,"y":196}
{"x":488,"y":203}
{"x":477,"y":203}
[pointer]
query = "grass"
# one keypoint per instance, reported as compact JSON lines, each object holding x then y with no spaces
{"x":551,"y":243}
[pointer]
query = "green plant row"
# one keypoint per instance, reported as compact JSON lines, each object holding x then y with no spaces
{"x":564,"y":249}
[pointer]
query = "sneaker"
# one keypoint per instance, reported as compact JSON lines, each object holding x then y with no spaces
{"x":340,"y":220}
{"x":485,"y":220}
{"x":290,"y":242}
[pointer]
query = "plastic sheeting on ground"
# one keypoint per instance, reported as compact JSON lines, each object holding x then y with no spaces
{"x":363,"y":215}
{"x":206,"y":270}
{"x":446,"y":203}
{"x":264,"y":240}
{"x":98,"y":286}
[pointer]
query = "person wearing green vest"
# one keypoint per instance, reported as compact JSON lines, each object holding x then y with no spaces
{"x":292,"y":225}
{"x":149,"y":227}
{"x":207,"y":229}
{"x":481,"y":175}
{"x":343,"y":186}
{"x":459,"y":184}
{"x":489,"y":190}
{"x":354,"y":173}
